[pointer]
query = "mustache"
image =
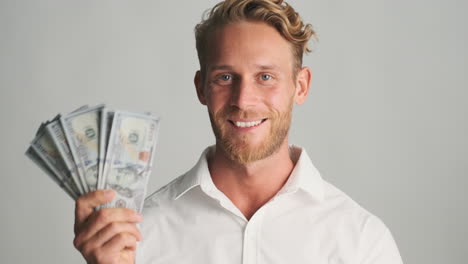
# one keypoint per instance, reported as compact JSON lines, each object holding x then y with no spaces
{"x":236,"y":113}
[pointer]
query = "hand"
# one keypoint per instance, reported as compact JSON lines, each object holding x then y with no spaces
{"x":108,"y":235}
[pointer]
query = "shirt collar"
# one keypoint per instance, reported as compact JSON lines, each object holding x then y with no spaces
{"x":199,"y":175}
{"x":304,"y":176}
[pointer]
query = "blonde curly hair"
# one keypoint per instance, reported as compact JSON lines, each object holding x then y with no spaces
{"x":276,"y":13}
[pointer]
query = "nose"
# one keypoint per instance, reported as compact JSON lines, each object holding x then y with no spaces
{"x":243,"y":94}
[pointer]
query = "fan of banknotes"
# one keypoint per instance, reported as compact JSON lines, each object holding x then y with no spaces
{"x":98,"y":148}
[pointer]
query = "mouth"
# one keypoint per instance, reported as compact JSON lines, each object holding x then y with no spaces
{"x":247,"y":124}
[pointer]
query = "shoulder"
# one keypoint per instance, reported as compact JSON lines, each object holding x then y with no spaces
{"x":367,"y":231}
{"x":159,"y":206}
{"x":350,"y":213}
{"x":162,"y":198}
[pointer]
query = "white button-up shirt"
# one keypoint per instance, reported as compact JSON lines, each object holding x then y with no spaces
{"x":308,"y":221}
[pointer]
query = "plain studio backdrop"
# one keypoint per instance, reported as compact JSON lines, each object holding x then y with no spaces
{"x":385,"y":121}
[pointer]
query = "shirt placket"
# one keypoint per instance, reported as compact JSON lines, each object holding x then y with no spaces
{"x":251,"y":238}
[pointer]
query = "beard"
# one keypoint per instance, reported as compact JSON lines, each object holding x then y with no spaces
{"x":236,"y":146}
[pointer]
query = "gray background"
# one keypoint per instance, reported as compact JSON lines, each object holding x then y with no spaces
{"x":386,"y":119}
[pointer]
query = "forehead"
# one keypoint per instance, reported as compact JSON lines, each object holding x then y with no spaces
{"x":248,"y":43}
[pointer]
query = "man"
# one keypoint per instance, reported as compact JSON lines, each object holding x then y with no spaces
{"x":251,"y":198}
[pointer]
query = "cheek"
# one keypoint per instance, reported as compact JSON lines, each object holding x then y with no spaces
{"x":217,"y":99}
{"x":280,"y":101}
{"x":281,"y":92}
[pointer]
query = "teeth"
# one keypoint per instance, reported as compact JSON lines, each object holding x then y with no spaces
{"x":248,"y":124}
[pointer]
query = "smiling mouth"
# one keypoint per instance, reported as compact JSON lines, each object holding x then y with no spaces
{"x":247,"y":124}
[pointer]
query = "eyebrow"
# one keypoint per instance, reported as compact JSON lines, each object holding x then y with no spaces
{"x":220,"y":67}
{"x":228,"y":67}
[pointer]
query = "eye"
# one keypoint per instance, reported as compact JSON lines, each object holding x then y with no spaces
{"x":225,"y":77}
{"x":265,"y":77}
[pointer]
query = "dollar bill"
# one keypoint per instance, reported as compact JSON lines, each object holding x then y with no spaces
{"x":41,"y":127}
{"x":106,"y":124}
{"x":57,"y":135}
{"x":82,"y":133}
{"x":81,"y":108}
{"x":46,"y":150}
{"x":130,"y":152}
{"x":32,"y":154}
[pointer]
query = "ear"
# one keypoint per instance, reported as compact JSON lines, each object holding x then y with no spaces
{"x":198,"y":81}
{"x":303,"y":79}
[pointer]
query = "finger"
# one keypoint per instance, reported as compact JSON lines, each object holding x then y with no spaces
{"x":85,"y":204}
{"x":100,"y":219}
{"x":111,"y":255}
{"x":108,"y":232}
{"x":120,"y":242}
{"x":127,"y":256}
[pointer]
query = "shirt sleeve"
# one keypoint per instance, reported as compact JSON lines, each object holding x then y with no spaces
{"x":377,"y":245}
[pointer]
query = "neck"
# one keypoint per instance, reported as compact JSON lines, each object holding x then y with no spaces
{"x":250,"y":186}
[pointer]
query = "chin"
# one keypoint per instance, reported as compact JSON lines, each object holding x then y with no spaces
{"x":245,"y":153}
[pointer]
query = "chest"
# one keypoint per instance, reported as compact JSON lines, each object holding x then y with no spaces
{"x":273,"y":235}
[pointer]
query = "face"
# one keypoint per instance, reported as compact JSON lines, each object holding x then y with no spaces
{"x":249,"y":89}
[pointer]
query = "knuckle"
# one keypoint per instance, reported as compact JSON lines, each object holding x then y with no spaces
{"x":121,"y":236}
{"x":114,"y":227}
{"x":88,"y":250}
{"x":80,"y":202}
{"x":77,"y":242}
{"x":102,"y":216}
